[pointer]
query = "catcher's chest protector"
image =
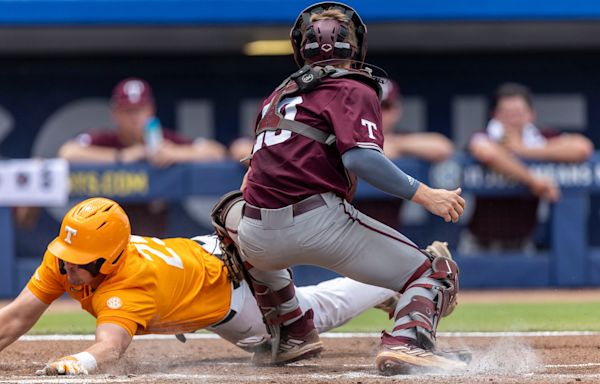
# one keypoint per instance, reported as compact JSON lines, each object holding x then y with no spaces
{"x":304,"y":81}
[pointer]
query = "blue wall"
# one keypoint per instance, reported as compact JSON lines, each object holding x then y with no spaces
{"x":569,"y":261}
{"x":198,"y":12}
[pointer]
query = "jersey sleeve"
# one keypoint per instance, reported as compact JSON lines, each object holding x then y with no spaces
{"x":131,"y":308}
{"x":46,"y":283}
{"x":355,"y":116}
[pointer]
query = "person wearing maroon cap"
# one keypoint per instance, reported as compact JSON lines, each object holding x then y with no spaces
{"x":132,"y":109}
{"x":428,"y":146}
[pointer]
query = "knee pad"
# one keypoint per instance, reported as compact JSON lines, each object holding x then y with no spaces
{"x":446,"y":272}
{"x":269,"y":302}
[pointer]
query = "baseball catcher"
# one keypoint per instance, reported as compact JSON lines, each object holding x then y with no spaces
{"x":316,"y":132}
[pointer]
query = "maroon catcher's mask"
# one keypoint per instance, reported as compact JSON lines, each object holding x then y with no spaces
{"x":327,"y":39}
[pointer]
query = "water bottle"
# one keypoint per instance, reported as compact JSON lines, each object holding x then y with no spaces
{"x":153,"y":136}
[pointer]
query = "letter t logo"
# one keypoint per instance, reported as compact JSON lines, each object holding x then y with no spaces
{"x":370,"y":126}
{"x":70,"y":232}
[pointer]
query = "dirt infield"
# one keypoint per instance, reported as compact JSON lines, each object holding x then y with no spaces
{"x":554,"y":359}
{"x":510,"y":358}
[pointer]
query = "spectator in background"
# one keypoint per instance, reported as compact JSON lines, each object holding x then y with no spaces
{"x":241,"y":148}
{"x":428,"y":146}
{"x":510,"y":137}
{"x":132,"y":109}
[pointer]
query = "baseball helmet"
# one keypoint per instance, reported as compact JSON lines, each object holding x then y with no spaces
{"x":328,"y":39}
{"x":94,"y":233}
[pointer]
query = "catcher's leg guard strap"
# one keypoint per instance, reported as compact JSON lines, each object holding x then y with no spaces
{"x":270,"y":303}
{"x":446,"y":272}
{"x":417,"y":274}
{"x":420,"y":310}
{"x":423,"y":318}
{"x":267,"y":298}
{"x":423,"y":313}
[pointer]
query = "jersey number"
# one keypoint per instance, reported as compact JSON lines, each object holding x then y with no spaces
{"x":148,"y":251}
{"x":268,"y":138}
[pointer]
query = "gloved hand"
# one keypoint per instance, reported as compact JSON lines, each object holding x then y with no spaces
{"x":68,"y":365}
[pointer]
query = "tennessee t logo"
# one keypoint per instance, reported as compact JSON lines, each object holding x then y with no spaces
{"x":70,"y":232}
{"x":370,"y":126}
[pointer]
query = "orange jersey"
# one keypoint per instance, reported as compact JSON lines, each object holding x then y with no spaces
{"x":161,"y":286}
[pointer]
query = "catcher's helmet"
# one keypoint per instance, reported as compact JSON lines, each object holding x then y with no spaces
{"x":94,"y":233}
{"x":328,"y":39}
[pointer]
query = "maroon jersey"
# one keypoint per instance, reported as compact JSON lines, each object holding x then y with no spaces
{"x":109,"y":138}
{"x":288,"y":167}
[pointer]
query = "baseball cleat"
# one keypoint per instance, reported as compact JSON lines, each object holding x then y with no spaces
{"x":400,"y":355}
{"x":254,"y":344}
{"x":291,"y":349}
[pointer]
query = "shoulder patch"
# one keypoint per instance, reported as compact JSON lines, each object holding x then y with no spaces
{"x":114,"y":302}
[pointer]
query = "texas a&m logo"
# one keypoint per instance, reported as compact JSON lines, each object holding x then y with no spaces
{"x":371,"y":126}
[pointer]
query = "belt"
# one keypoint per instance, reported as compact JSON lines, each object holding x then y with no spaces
{"x":306,"y":205}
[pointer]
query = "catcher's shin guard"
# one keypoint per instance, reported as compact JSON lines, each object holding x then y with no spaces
{"x":424,"y":313}
{"x":269,"y":303}
{"x":399,"y":354}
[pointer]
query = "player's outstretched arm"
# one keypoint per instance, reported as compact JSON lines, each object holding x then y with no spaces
{"x":112,"y":341}
{"x":379,"y":171}
{"x":19,"y":316}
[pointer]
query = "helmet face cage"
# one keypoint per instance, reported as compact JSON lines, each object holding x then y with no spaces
{"x":341,"y":50}
{"x":93,"y":267}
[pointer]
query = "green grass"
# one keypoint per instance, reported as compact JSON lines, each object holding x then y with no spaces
{"x":499,"y":317}
{"x":76,"y":322}
{"x":467,"y":317}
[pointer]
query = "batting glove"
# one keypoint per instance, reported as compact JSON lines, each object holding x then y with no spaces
{"x":79,"y":364}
